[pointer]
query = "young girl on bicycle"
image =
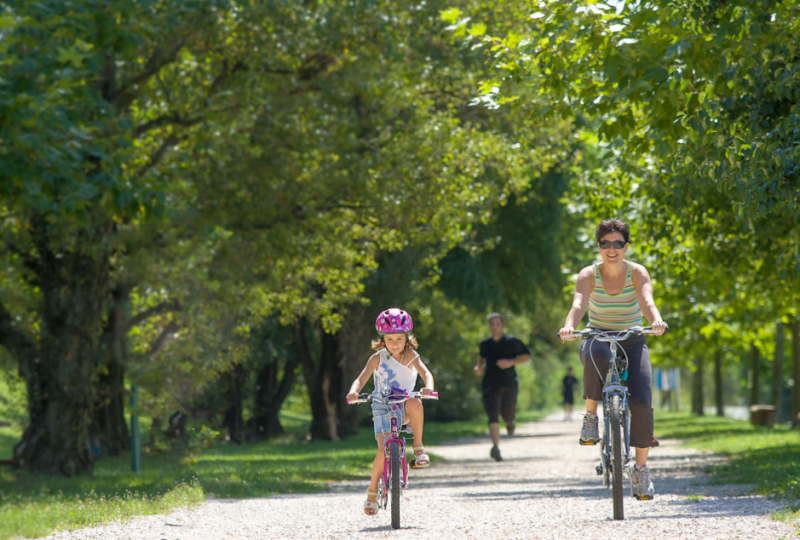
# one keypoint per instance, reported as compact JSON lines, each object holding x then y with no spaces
{"x":395,"y":368}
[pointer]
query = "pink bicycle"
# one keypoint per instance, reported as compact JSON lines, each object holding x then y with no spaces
{"x":394,"y":451}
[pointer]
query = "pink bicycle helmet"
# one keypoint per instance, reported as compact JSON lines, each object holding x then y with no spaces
{"x":394,"y":321}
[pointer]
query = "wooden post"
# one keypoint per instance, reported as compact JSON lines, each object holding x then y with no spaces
{"x":777,"y":372}
{"x":755,"y":364}
{"x":697,"y":388}
{"x":718,"y":393}
{"x":136,"y":443}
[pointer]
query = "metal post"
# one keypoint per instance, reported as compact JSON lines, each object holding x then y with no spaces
{"x":136,"y":445}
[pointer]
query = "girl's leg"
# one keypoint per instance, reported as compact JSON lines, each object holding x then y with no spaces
{"x":377,"y":470}
{"x":416,"y":417}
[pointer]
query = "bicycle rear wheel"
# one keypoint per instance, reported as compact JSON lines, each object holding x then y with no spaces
{"x":616,"y":452}
{"x":395,"y":483}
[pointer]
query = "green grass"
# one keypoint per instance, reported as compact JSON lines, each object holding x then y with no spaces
{"x":768,"y":458}
{"x":34,"y":505}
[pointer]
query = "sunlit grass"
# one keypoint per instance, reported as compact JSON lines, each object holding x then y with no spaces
{"x":767,"y":457}
{"x":39,"y":514}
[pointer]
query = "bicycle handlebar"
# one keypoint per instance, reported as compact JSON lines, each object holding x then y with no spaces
{"x":367,"y":398}
{"x":620,"y":335}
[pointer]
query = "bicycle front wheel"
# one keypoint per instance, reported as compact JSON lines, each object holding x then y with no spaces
{"x":396,"y":480}
{"x":616,"y":452}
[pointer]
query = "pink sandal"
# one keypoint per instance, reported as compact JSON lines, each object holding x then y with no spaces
{"x":421,"y":460}
{"x":371,"y":505}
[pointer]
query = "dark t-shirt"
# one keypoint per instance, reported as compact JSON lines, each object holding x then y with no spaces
{"x":506,"y":348}
{"x":569,"y":382}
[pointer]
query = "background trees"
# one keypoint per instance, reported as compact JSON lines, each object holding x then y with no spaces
{"x":211,"y":199}
{"x":689,"y":115}
{"x":177,"y":175}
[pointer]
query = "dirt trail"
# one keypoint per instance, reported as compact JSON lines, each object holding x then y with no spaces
{"x":544,"y":489}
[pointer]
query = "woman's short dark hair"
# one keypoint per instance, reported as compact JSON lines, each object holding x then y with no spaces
{"x":611,"y":225}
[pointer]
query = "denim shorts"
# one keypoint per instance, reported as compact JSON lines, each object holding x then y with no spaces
{"x":382,"y":417}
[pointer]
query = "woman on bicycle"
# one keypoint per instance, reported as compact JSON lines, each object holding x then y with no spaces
{"x":395,"y":368}
{"x":617,"y":293}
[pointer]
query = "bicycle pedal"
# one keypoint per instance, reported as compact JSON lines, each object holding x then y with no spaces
{"x":645,"y":498}
{"x":587,"y":443}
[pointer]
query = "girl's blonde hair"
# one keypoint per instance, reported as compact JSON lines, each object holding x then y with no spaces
{"x":411,"y":341}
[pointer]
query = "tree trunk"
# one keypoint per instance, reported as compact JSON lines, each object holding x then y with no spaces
{"x":354,"y":337}
{"x":755,"y":368}
{"x":320,"y":381}
{"x":697,"y":388}
{"x":269,"y":397}
{"x":795,"y":329}
{"x":335,"y":392}
{"x":718,"y":391}
{"x":109,"y":428}
{"x":61,"y":381}
{"x":777,"y":372}
{"x":233,"y":420}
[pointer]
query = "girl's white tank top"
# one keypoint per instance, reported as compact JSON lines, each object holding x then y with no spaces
{"x":392,"y":374}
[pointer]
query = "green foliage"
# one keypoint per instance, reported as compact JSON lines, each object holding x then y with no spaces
{"x":13,"y":407}
{"x":243,"y":160}
{"x":687,"y":129}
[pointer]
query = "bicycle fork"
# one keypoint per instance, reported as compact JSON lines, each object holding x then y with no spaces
{"x":604,"y":468}
{"x":626,"y":427}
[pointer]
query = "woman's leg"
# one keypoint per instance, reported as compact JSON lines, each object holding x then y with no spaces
{"x":595,"y":357}
{"x":595,"y":365}
{"x":641,"y":391}
{"x":641,"y":456}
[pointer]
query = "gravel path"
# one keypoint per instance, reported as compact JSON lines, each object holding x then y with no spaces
{"x":545,"y":489}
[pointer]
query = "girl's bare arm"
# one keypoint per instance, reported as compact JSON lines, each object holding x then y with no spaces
{"x":425,"y":373}
{"x":363,"y":377}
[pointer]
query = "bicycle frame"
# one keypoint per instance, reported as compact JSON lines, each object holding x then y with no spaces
{"x":615,"y":408}
{"x":613,"y":387}
{"x":394,"y":437}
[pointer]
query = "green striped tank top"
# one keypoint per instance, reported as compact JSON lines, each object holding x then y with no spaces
{"x":614,"y":311}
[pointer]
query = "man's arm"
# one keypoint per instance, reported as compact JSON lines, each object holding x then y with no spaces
{"x":521,"y":359}
{"x":478,"y":369}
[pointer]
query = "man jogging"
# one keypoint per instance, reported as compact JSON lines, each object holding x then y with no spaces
{"x":499,"y":354}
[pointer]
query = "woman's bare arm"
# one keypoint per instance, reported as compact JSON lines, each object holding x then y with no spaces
{"x":583,"y":288}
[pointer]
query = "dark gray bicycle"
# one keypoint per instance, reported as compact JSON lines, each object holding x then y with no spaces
{"x":615,"y":447}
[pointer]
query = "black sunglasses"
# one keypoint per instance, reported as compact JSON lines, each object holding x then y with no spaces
{"x":605,"y":244}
